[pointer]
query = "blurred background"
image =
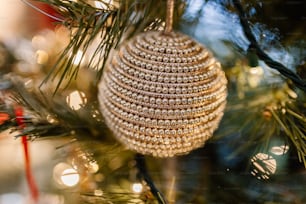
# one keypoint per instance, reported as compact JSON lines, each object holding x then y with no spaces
{"x":245,"y":162}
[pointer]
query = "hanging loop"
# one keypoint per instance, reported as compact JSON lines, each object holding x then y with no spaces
{"x":169,"y":17}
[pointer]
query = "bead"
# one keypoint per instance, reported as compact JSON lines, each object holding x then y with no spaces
{"x":158,"y":101}
{"x":173,"y":79}
{"x":164,"y":112}
{"x":159,"y":89}
{"x":173,"y":69}
{"x":179,"y":79}
{"x":166,"y":59}
{"x":165,"y":101}
{"x":146,"y":99}
{"x":161,"y":49}
{"x":157,"y":111}
{"x":160,"y":122}
{"x":154,"y":68}
{"x":154,"y":122}
{"x":160,"y":79}
{"x":146,"y":87}
{"x":178,"y":90}
{"x":170,"y":112}
{"x":149,"y":66}
{"x":153,"y":77}
{"x":148,"y":77}
{"x":166,"y":80}
{"x":165,"y":90}
{"x":171,"y":102}
{"x":152,"y":100}
{"x":167,"y":69}
{"x":171,"y":90}
{"x":141,"y":75}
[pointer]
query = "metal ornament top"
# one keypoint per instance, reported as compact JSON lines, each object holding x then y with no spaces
{"x":163,"y":94}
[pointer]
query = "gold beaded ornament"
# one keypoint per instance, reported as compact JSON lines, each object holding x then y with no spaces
{"x":163,"y":94}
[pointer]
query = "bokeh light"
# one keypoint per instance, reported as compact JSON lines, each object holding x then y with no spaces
{"x":263,"y":166}
{"x":70,"y":177}
{"x":76,"y":100}
{"x":137,"y":187}
{"x":65,"y":176}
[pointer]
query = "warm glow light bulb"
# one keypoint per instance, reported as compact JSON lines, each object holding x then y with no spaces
{"x":76,"y":100}
{"x":263,"y":166}
{"x":78,"y":57}
{"x":255,"y":76}
{"x":70,"y":177}
{"x":98,"y":192}
{"x":137,"y":187}
{"x":106,"y":4}
{"x":41,"y":57}
{"x":279,"y":150}
{"x":93,"y":167}
{"x":100,"y":5}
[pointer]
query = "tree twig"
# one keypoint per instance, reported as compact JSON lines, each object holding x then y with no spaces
{"x":143,"y":172}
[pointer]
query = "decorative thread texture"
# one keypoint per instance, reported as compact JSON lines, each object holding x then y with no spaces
{"x":163,"y":94}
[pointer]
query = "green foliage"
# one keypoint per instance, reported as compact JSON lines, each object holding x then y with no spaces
{"x":47,"y":115}
{"x":101,"y":29}
{"x":266,"y":114}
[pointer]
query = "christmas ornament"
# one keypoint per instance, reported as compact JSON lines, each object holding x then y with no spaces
{"x":163,"y":94}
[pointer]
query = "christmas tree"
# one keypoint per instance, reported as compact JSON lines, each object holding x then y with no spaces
{"x":132,"y":101}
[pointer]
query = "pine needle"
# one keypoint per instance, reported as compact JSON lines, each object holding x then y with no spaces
{"x":106,"y":26}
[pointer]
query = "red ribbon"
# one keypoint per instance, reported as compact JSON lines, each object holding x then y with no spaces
{"x":29,"y":175}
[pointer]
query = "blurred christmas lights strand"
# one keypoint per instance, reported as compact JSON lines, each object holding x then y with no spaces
{"x":143,"y":172}
{"x":300,"y":83}
{"x":41,"y":11}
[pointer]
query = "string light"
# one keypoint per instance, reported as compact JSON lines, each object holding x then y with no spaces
{"x":78,"y":58}
{"x":263,"y":166}
{"x":137,"y":187}
{"x":11,"y":198}
{"x":100,"y":5}
{"x":65,"y":176}
{"x":76,"y":100}
{"x":255,"y":75}
{"x":279,"y":150}
{"x":70,"y":177}
{"x":106,"y":4}
{"x":39,"y":42}
{"x":41,"y":57}
{"x":98,"y":192}
{"x":93,"y":167}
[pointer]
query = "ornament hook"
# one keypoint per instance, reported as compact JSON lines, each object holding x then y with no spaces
{"x":169,"y":16}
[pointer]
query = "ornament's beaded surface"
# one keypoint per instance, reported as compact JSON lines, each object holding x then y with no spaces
{"x":163,"y":94}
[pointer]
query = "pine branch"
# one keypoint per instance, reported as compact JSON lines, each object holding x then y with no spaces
{"x":100,"y":28}
{"x":264,"y":115}
{"x":143,"y":172}
{"x":47,"y":115}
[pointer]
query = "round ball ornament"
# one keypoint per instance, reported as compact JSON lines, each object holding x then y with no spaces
{"x":163,"y":94}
